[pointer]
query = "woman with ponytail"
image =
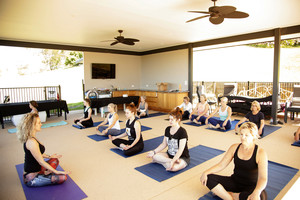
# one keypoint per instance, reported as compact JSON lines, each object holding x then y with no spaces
{"x":177,"y":156}
{"x":113,"y":122}
{"x":37,"y":172}
{"x":135,"y":143}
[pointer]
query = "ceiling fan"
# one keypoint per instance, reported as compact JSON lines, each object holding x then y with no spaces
{"x":122,"y":39}
{"x":217,"y":14}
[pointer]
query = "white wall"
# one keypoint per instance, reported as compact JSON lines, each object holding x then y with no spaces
{"x":170,"y":67}
{"x":128,"y":72}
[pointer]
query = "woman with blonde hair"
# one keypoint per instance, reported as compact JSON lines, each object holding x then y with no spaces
{"x":142,"y":110}
{"x":200,"y":113}
{"x":250,"y":174}
{"x":113,"y":122}
{"x":187,"y":108}
{"x":255,"y":116}
{"x":37,"y":172}
{"x":177,"y":156}
{"x":224,"y":112}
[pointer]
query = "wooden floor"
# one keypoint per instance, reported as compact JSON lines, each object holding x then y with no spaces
{"x":102,"y":174}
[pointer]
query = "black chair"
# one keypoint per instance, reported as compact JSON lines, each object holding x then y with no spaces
{"x":294,"y":105}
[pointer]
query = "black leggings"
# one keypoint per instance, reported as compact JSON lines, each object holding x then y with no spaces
{"x":231,"y":185}
{"x":138,"y":147}
{"x":186,"y":115}
{"x":88,"y":123}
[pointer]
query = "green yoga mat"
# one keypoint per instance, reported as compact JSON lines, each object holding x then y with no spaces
{"x":61,"y":123}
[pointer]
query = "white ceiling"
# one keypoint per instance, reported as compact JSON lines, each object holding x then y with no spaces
{"x":156,"y":23}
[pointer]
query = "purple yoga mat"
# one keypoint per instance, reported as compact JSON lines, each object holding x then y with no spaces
{"x":67,"y":191}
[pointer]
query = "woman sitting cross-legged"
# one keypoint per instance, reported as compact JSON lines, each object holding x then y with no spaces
{"x":187,"y":108}
{"x":135,"y":143}
{"x":224,"y":113}
{"x":37,"y":172}
{"x":113,"y":122}
{"x":255,"y":116}
{"x":200,"y":113}
{"x":250,"y":173}
{"x":177,"y":157}
{"x":86,"y":120}
{"x":142,"y":110}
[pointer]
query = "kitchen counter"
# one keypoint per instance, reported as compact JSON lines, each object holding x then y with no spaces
{"x":157,"y":100}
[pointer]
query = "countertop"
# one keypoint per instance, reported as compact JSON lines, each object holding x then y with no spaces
{"x":145,"y":90}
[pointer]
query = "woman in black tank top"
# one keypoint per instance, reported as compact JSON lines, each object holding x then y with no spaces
{"x":250,"y":174}
{"x":86,"y":120}
{"x":37,"y":172}
{"x":135,"y":143}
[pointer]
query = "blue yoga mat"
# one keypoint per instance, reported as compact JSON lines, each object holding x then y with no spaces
{"x":69,"y":190}
{"x":278,"y":177}
{"x":98,"y":138}
{"x":269,"y":129}
{"x":297,"y":144}
{"x":102,"y":137}
{"x":148,"y":145}
{"x":193,"y":124}
{"x":198,"y":154}
{"x":153,"y":115}
{"x":61,"y":123}
{"x":233,"y":123}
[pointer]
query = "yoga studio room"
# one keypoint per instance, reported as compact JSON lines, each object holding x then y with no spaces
{"x":149,"y":100}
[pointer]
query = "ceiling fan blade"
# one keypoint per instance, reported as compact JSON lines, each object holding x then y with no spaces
{"x":197,"y":18}
{"x":128,"y":42}
{"x":223,"y":10}
{"x":132,"y":39}
{"x":236,"y":14}
{"x":218,"y":20}
{"x":203,"y":12}
{"x":116,"y":42}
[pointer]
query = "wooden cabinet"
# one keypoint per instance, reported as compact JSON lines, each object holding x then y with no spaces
{"x":159,"y":101}
{"x":168,"y":101}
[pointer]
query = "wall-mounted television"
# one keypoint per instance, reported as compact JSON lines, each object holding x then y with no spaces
{"x":103,"y":71}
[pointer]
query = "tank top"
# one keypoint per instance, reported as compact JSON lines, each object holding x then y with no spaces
{"x":86,"y":114}
{"x":30,"y":164}
{"x":143,"y":107}
{"x":245,"y":171}
{"x":201,"y":109}
{"x":110,"y":121}
{"x":130,"y":131}
{"x":223,"y":115}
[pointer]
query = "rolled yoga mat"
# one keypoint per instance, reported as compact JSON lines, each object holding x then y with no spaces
{"x":47,"y":125}
{"x":69,"y":190}
{"x":278,"y":177}
{"x":198,"y":154}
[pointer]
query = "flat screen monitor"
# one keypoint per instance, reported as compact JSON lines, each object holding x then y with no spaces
{"x":103,"y":71}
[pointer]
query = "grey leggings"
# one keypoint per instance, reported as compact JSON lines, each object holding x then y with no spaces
{"x":112,"y":131}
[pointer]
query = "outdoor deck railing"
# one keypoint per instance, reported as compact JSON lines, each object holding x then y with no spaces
{"x":24,"y":94}
{"x":251,"y":89}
